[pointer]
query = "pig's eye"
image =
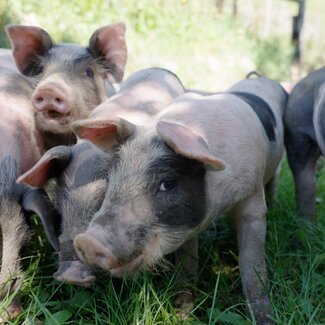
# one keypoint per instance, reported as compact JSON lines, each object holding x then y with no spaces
{"x":90,"y":72}
{"x":167,"y":185}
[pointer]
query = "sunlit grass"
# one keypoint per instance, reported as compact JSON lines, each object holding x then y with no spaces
{"x":295,"y":262}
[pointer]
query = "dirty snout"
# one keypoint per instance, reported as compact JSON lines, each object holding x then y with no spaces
{"x":52,"y":100}
{"x":118,"y":255}
{"x":75,"y":272}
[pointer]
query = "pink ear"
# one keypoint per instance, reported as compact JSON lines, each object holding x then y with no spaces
{"x":50,"y":165}
{"x":187,"y":143}
{"x":28,"y":42}
{"x":109,"y":42}
{"x":100,"y":133}
{"x":103,"y":133}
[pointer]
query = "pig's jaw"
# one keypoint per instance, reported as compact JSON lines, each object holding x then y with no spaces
{"x":54,"y":122}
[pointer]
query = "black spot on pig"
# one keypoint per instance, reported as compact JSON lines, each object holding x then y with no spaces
{"x":177,"y":184}
{"x":262,"y":110}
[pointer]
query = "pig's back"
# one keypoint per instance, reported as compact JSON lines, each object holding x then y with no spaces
{"x":299,"y":111}
{"x":233,"y":133}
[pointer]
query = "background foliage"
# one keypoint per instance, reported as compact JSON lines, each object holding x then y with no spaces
{"x":209,"y":51}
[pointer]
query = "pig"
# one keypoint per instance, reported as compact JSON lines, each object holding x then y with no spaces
{"x":143,"y":95}
{"x":304,"y":138}
{"x":200,"y":157}
{"x":81,"y":171}
{"x":18,"y":152}
{"x":69,"y":80}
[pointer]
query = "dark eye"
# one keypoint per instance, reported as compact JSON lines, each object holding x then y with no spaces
{"x":90,"y":72}
{"x":167,"y":185}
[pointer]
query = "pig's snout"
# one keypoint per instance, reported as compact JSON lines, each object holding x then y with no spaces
{"x":92,"y":252}
{"x":75,"y":272}
{"x":51,"y":100}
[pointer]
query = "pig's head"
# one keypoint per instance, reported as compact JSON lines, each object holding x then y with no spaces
{"x":69,"y":80}
{"x":155,"y":199}
{"x":80,"y":172}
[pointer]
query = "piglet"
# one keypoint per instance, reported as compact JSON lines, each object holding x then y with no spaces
{"x":18,"y":152}
{"x":304,"y":120}
{"x":201,"y":157}
{"x":82,"y":171}
{"x":69,"y":80}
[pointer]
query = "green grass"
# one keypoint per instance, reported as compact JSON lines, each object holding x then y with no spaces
{"x":295,"y":262}
{"x":209,"y":51}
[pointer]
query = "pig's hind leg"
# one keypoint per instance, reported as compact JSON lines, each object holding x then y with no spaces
{"x":303,"y":153}
{"x":14,"y":233}
{"x":250,"y":223}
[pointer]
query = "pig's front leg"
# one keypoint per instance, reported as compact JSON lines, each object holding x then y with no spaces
{"x":187,"y":258}
{"x":251,"y":229}
{"x":14,"y":234}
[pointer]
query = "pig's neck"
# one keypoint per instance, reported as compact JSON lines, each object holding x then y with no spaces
{"x":47,"y":140}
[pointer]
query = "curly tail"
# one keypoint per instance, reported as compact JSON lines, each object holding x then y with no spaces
{"x":252,"y":73}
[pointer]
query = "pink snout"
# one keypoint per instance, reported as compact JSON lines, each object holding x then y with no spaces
{"x":92,"y":252}
{"x":50,"y":100}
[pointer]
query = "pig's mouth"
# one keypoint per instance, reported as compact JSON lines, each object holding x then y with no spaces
{"x":55,"y":115}
{"x":127,"y":267}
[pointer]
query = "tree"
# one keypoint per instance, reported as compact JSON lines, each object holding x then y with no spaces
{"x":297,"y":24}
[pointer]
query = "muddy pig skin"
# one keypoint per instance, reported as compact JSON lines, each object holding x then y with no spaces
{"x":304,"y":121}
{"x":81,"y":171}
{"x":18,"y":153}
{"x":202,"y":156}
{"x":69,"y":80}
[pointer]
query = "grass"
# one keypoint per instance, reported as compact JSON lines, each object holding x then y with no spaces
{"x":295,"y":261}
{"x":208,"y":51}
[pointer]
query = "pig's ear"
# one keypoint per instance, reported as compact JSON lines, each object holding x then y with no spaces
{"x":28,"y":43}
{"x":104,"y":133}
{"x":108,"y":44}
{"x":52,"y":163}
{"x":188,"y":143}
{"x":37,"y":201}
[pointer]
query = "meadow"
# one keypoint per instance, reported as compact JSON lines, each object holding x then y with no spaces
{"x":208,"y":51}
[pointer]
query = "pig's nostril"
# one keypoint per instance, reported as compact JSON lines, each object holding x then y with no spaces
{"x":39,"y":99}
{"x":58,"y":100}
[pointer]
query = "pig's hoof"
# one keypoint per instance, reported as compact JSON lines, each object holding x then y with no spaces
{"x":185,"y":303}
{"x":75,"y":272}
{"x":12,"y":311}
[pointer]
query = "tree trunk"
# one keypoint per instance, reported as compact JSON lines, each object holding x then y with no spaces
{"x":219,"y":5}
{"x":296,"y":30}
{"x":234,"y":8}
